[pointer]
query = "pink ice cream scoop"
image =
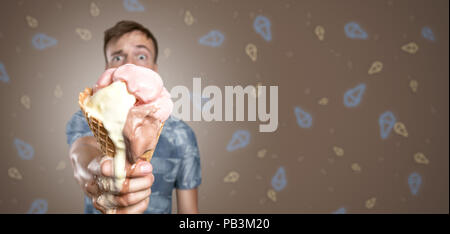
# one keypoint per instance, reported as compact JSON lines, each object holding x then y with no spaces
{"x":145,"y":84}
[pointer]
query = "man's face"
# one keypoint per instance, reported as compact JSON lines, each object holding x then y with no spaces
{"x":133,"y":47}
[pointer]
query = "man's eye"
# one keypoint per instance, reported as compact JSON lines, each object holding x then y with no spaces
{"x":117,"y":58}
{"x":142,"y":57}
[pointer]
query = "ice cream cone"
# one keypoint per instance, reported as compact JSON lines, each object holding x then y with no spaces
{"x":101,"y":134}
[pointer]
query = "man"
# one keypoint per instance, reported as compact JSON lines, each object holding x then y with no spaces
{"x":175,"y":163}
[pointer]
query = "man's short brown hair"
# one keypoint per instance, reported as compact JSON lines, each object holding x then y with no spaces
{"x":124,"y":27}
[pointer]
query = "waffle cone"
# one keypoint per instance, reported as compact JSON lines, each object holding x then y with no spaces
{"x":101,"y":134}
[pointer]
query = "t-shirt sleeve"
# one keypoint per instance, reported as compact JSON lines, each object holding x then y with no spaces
{"x":77,"y":127}
{"x":189,"y":174}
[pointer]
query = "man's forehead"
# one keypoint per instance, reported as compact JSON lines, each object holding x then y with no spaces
{"x":131,"y":39}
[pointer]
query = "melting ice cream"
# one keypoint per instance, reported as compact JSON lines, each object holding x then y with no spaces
{"x":132,"y":103}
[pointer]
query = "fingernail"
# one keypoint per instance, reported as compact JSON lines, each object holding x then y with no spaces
{"x":146,"y":168}
{"x":106,"y":169}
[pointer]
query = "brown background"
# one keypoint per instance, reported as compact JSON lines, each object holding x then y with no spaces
{"x":304,"y":68}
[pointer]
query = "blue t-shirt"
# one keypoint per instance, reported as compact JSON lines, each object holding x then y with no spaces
{"x":176,"y":161}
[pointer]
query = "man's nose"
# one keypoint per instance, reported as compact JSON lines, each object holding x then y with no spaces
{"x":129,"y":61}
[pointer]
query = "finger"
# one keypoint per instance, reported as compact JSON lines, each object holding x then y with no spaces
{"x":103,"y":170}
{"x":103,"y":184}
{"x":95,"y":167}
{"x":132,"y":198}
{"x":107,"y":184}
{"x":107,"y":167}
{"x":139,"y":169}
{"x":132,"y":185}
{"x":109,"y":203}
{"x":107,"y":200}
{"x":138,"y":208}
{"x":92,"y":189}
{"x":97,"y":206}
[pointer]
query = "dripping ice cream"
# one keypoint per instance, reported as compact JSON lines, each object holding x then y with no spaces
{"x":132,"y":104}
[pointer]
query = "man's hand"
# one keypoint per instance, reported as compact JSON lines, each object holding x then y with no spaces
{"x":135,"y":193}
{"x":95,"y":174}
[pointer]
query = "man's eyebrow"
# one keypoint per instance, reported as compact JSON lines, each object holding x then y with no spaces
{"x":116,"y":52}
{"x":145,"y":47}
